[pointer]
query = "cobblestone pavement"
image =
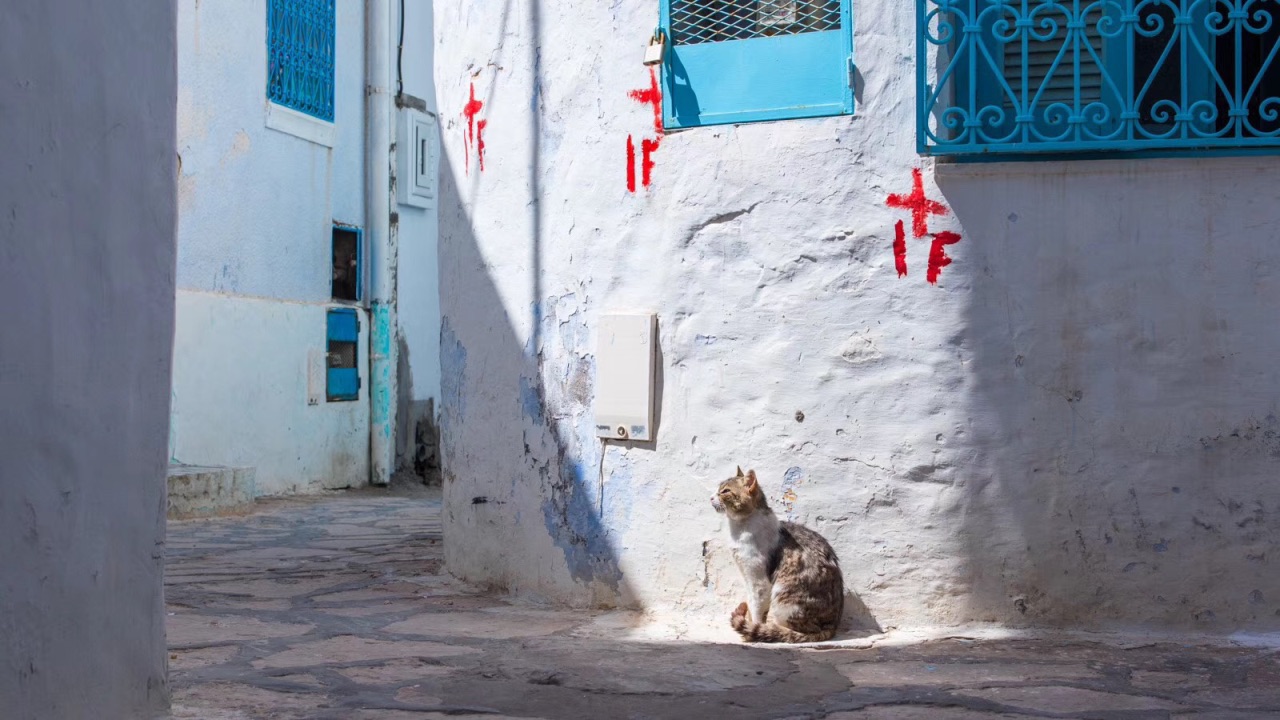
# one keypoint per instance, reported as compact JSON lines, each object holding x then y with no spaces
{"x":337,"y":608}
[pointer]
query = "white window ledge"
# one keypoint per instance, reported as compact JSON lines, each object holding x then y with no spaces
{"x":288,"y":120}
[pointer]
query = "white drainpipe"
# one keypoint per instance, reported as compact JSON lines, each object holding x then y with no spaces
{"x":381,"y":232}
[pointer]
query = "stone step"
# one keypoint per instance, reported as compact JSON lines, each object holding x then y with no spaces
{"x":201,"y":491}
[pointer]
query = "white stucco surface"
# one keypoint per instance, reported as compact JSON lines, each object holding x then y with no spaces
{"x":87,"y":224}
{"x":1075,"y":427}
{"x":257,"y":204}
{"x":418,"y":268}
{"x":255,"y":413}
{"x":257,"y":207}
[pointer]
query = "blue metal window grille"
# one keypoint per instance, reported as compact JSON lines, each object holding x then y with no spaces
{"x":1097,"y":76}
{"x":342,"y":378}
{"x":734,"y":61}
{"x":300,"y":51}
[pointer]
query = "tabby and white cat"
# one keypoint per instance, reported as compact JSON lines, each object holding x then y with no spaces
{"x":795,"y":592}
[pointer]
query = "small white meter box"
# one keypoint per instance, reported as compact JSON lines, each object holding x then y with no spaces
{"x":626,"y":357}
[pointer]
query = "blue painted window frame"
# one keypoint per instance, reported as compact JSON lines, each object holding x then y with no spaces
{"x":974,"y":108}
{"x":342,"y":384}
{"x":359,"y":233}
{"x":757,"y":79}
{"x":301,"y":51}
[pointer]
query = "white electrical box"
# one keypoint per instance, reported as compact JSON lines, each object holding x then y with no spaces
{"x":315,"y":376}
{"x":417,"y":156}
{"x":626,"y":358}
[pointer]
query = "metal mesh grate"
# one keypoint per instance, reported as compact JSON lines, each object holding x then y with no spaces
{"x":300,"y":40}
{"x":342,"y":354}
{"x":706,"y":21}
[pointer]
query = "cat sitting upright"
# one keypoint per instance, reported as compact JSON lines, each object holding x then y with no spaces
{"x":795,"y":592}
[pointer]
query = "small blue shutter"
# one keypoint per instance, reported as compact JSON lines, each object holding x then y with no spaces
{"x":343,"y":372}
{"x":734,"y":61}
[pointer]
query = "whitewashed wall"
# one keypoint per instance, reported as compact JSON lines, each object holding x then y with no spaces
{"x":257,"y":207}
{"x":254,"y":270}
{"x":418,"y":272}
{"x":258,"y":416}
{"x":1075,"y":427}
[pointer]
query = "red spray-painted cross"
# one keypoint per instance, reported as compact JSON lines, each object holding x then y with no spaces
{"x":652,"y":96}
{"x":921,"y":208}
{"x":475,"y":130}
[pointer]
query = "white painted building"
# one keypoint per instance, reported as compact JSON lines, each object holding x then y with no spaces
{"x":281,"y":195}
{"x":1075,"y":425}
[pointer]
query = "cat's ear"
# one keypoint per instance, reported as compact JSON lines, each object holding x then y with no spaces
{"x":739,"y":471}
{"x":751,"y":480}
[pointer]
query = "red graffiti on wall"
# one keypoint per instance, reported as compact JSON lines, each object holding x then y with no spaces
{"x":651,"y":96}
{"x":900,"y":249}
{"x":631,"y":165}
{"x":938,"y":256}
{"x":921,"y":208}
{"x":475,"y":130}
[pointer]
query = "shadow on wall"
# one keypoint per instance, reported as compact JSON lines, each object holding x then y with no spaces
{"x":1122,"y":387}
{"x":508,"y":403}
{"x":483,"y":358}
{"x":417,"y":430}
{"x":515,"y":382}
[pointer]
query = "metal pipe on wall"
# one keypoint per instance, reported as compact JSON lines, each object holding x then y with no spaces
{"x":383,"y":239}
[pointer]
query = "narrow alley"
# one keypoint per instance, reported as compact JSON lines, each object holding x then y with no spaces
{"x":336,"y":608}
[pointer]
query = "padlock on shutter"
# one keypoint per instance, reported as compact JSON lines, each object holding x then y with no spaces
{"x":653,"y":53}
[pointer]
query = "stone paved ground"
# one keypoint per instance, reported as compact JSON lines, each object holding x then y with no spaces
{"x":337,"y":608}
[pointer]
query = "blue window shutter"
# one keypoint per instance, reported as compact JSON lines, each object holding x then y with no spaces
{"x":735,"y":61}
{"x":342,"y":381}
{"x":300,"y":55}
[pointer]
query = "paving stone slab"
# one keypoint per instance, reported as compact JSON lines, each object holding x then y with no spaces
{"x":1062,"y":699}
{"x":351,"y":649}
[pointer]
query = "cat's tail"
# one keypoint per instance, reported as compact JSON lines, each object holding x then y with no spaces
{"x":767,"y":632}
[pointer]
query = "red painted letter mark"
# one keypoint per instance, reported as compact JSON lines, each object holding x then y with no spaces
{"x":900,"y":249}
{"x":938,"y":255}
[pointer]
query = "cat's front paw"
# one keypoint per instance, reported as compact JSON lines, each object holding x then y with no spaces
{"x":739,"y":616}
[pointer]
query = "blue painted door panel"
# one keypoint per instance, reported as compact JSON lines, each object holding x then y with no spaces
{"x":343,"y":384}
{"x":763,"y":78}
{"x":343,"y":325}
{"x":343,"y":334}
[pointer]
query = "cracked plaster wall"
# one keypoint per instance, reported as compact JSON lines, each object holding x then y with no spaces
{"x":1075,"y":427}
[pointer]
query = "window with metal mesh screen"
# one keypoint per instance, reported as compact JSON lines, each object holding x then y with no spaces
{"x":300,"y":55}
{"x":705,"y":21}
{"x":734,"y":61}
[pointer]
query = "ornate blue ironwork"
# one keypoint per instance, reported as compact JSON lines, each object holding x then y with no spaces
{"x":300,"y":44}
{"x":1097,"y":76}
